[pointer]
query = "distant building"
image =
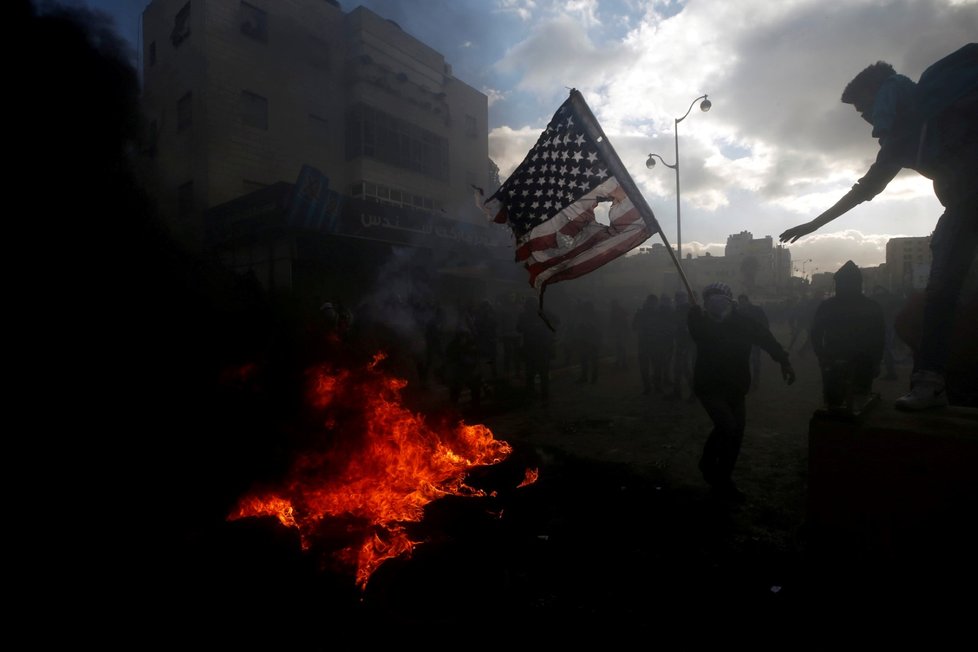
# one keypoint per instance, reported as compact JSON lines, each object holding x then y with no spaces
{"x":878,"y":276}
{"x":824,"y":283}
{"x":239,"y":96}
{"x":908,"y":262}
{"x":649,"y":271}
{"x":762,"y":268}
{"x":753,"y":266}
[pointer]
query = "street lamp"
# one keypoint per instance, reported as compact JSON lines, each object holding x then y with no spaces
{"x":803,"y":263}
{"x":704,"y":106}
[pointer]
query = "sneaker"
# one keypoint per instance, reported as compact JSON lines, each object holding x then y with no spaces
{"x":927,"y":390}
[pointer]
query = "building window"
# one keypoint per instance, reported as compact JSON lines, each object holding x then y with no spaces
{"x":181,"y":26}
{"x":254,"y":110}
{"x":376,"y":134}
{"x":471,"y":128}
{"x":185,"y":114}
{"x":152,"y":53}
{"x":254,"y":22}
{"x":185,"y":199}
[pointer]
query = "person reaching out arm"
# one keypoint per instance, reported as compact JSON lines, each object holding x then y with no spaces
{"x":930,"y":126}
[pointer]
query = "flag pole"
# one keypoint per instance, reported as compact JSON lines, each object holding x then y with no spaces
{"x":618,"y":169}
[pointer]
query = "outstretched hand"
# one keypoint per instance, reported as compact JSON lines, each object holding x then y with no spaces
{"x":787,"y":372}
{"x":796,"y":232}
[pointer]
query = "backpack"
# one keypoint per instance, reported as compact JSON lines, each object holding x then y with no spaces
{"x":947,"y":109}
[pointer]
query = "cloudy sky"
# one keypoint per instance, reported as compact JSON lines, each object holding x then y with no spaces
{"x":777,"y":147}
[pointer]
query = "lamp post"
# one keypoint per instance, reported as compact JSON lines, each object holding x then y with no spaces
{"x":803,"y":263}
{"x":704,"y":106}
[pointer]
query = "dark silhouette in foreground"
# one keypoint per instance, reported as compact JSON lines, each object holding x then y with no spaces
{"x":538,"y":350}
{"x":155,"y":386}
{"x":848,"y":337}
{"x":930,"y":126}
{"x":962,"y":366}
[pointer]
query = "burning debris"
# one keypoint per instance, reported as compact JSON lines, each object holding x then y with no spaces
{"x":374,"y":471}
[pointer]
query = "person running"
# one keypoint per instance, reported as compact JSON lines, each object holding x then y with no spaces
{"x":721,"y":378}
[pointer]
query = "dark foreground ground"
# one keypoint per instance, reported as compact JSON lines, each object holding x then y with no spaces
{"x":619,"y":541}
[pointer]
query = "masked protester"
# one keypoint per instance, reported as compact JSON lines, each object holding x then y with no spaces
{"x":721,"y":378}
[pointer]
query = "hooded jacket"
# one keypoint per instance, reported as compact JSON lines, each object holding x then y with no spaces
{"x":849,"y":325}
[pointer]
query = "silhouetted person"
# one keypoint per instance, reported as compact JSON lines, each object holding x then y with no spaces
{"x":434,"y":347}
{"x":510,"y":341}
{"x":618,"y":331}
{"x":335,"y":318}
{"x":756,"y":313}
{"x":931,"y":127}
{"x":644,"y":325}
{"x":682,"y":347}
{"x":588,"y":341}
{"x":962,"y":365}
{"x":891,"y":305}
{"x":463,"y":366}
{"x":793,"y":317}
{"x":848,"y":336}
{"x":538,"y":348}
{"x":801,"y":321}
{"x":485,"y":331}
{"x":665,"y":326}
{"x":721,"y":379}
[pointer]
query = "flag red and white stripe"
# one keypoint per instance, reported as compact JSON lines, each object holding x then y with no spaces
{"x":550,"y":198}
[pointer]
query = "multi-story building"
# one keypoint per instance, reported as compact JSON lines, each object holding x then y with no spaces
{"x":908,"y":263}
{"x":875,"y":277}
{"x":752,"y":266}
{"x":241,"y":96}
{"x":823,"y":283}
{"x":762,"y":268}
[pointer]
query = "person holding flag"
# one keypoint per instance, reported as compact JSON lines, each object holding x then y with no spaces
{"x":721,"y":378}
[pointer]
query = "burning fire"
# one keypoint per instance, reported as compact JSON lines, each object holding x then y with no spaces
{"x":382,"y":466}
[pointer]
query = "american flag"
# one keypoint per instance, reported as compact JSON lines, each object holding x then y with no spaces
{"x":549,"y":200}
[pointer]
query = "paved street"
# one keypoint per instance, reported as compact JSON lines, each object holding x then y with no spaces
{"x":661,"y":438}
{"x":618,"y":537}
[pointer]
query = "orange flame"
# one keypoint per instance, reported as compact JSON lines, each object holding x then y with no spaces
{"x":383,"y":465}
{"x":530,"y":477}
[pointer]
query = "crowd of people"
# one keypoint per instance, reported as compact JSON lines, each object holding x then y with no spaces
{"x":472,"y":349}
{"x":707,"y":351}
{"x":174,"y":386}
{"x":509,"y":339}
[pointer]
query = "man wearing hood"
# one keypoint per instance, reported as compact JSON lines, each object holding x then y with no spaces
{"x":848,"y":336}
{"x":721,"y":378}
